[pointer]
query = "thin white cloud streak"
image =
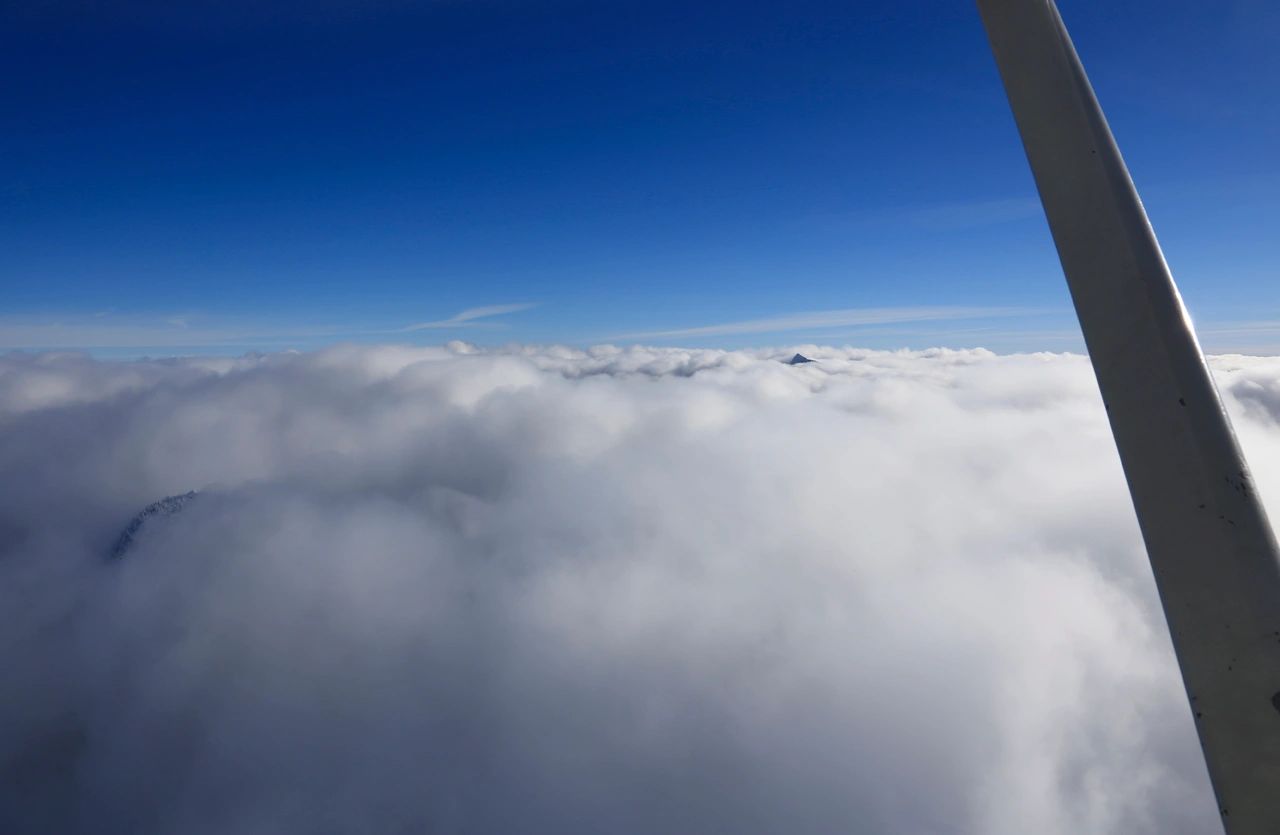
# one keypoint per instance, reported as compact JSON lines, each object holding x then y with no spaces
{"x":1249,"y":337}
{"x":107,"y":330}
{"x":976,"y":213}
{"x":847,"y":317}
{"x":132,"y":332}
{"x":186,"y":331}
{"x":933,"y":217}
{"x":624,"y":590}
{"x":468,"y":317}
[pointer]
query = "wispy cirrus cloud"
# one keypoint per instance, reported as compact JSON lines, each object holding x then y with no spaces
{"x":470,"y":317}
{"x":844,"y":317}
{"x":105,"y":330}
{"x":973,"y":213}
{"x":948,"y":217}
{"x":184,"y":331}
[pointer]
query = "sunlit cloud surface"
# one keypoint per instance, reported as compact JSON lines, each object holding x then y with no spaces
{"x":616,"y":590}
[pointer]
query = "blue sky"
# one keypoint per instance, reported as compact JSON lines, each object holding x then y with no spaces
{"x":234,"y":176}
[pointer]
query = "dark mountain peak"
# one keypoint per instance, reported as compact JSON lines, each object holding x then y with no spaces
{"x":799,"y":359}
{"x":167,"y":506}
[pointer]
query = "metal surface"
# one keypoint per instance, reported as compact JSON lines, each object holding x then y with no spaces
{"x":1212,"y":550}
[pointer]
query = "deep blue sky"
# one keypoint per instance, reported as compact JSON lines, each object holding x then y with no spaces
{"x":182,"y":177}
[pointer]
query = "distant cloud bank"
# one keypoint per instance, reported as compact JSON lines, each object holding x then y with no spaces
{"x":617,"y":590}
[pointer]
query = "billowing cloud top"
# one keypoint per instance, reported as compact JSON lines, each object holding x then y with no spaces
{"x":546,"y":590}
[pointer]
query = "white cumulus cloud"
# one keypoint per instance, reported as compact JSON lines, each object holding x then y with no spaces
{"x":621,"y":590}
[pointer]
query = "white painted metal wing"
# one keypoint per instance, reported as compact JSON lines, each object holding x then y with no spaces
{"x":1212,"y":550}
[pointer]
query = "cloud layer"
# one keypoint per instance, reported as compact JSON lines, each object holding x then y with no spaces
{"x":545,"y":590}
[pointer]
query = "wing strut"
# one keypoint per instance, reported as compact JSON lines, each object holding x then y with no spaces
{"x":1212,"y":550}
